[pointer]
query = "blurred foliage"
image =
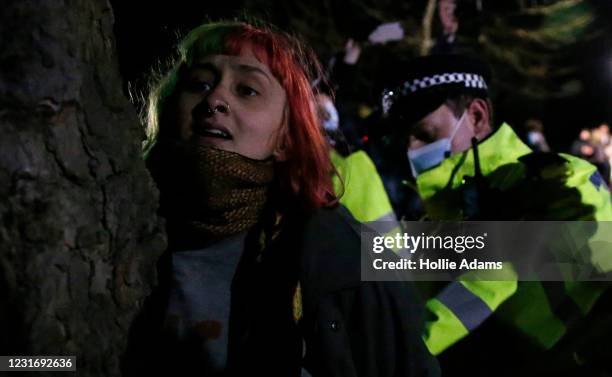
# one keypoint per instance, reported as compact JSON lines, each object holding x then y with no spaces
{"x":549,"y":57}
{"x":534,"y":47}
{"x":536,"y":51}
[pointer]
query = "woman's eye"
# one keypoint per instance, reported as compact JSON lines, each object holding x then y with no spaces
{"x":198,"y":86}
{"x":247,"y":91}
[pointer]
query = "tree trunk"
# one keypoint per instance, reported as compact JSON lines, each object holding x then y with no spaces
{"x":79,"y":236}
{"x":427,"y":22}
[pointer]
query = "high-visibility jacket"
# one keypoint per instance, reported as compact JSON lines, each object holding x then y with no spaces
{"x":361,"y":191}
{"x":461,"y":306}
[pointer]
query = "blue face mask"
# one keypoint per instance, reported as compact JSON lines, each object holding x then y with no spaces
{"x":432,"y":154}
{"x":332,"y":121}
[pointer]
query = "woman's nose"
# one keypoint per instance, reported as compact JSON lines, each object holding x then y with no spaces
{"x":217,"y":101}
{"x":210,"y":106}
{"x":220,"y":106}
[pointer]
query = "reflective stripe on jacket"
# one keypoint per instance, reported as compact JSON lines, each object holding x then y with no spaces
{"x":543,"y":311}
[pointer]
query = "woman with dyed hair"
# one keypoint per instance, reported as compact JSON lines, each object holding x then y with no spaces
{"x":262,"y":274}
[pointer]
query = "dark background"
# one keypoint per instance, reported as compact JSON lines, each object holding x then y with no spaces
{"x":551,"y":59}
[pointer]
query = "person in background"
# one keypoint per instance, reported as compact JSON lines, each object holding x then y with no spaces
{"x":589,"y":147}
{"x":582,"y":146}
{"x":342,"y":70}
{"x":447,"y":42}
{"x":535,"y":135}
{"x":357,"y":184}
{"x":262,"y":274}
{"x":601,"y":156}
{"x":444,"y":115}
{"x":604,"y":128}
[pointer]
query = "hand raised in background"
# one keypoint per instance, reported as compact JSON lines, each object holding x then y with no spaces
{"x":352,"y":51}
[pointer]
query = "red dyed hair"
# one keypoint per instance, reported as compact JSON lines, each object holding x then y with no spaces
{"x":304,"y":176}
{"x":306,"y":170}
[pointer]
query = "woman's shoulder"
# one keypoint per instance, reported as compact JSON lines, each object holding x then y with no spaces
{"x":338,"y":217}
{"x":330,"y":249}
{"x":332,"y":228}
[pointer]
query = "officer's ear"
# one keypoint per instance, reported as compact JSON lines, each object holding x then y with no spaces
{"x":478,"y":111}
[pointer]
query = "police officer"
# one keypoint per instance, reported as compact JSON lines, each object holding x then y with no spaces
{"x":357,"y":182}
{"x":465,"y":168}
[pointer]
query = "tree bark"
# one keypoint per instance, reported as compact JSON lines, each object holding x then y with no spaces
{"x":79,"y":236}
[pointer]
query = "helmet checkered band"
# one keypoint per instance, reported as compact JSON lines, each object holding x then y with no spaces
{"x":469,"y":80}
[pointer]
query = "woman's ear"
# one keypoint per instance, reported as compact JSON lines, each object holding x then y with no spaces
{"x":479,"y":112}
{"x":280,"y":151}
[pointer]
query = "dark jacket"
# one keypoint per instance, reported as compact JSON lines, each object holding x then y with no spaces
{"x":345,"y":327}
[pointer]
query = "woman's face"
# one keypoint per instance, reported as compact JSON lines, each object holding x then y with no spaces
{"x":233,"y":103}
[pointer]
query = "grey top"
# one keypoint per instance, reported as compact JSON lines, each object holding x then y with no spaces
{"x":199,"y":304}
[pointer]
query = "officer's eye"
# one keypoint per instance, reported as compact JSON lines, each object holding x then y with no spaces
{"x":419,"y":134}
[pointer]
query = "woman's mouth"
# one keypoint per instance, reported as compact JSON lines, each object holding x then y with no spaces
{"x":210,"y":130}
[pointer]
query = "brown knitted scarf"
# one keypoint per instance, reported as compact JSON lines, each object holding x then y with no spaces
{"x":207,"y":193}
{"x":232,"y":191}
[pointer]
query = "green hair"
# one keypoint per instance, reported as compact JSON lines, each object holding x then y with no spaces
{"x":206,"y":39}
